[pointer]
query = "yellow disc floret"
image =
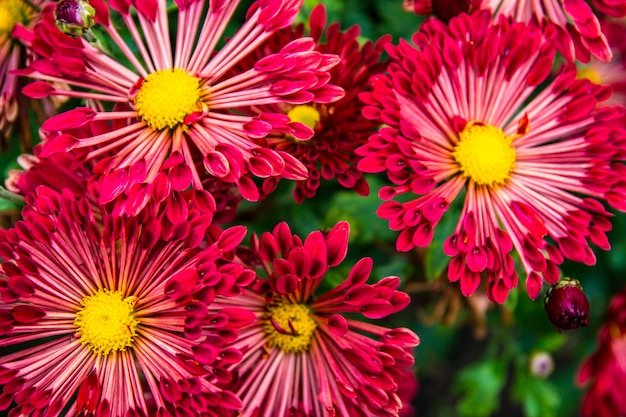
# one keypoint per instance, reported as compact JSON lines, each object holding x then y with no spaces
{"x":12,"y":12}
{"x":106,"y":323}
{"x":485,"y":154}
{"x":166,"y":97}
{"x":588,"y":73}
{"x":307,"y":115}
{"x":289,"y":327}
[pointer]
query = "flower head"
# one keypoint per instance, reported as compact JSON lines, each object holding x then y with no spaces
{"x":574,"y":25}
{"x":324,"y":135}
{"x":469,"y":124}
{"x":99,"y":309}
{"x":179,"y":97}
{"x":605,"y":370}
{"x":307,"y":353}
{"x":567,"y":305}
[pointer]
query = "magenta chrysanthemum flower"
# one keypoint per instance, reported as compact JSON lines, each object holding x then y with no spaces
{"x":307,"y":354}
{"x":324,"y":136}
{"x":468,"y":122}
{"x":576,"y":27}
{"x":14,"y":15}
{"x":179,"y":97}
{"x":96,"y":312}
{"x":605,"y":369}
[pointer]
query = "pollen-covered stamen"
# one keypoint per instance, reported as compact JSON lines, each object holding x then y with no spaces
{"x":106,"y":322}
{"x":289,"y":327}
{"x":166,"y":97}
{"x":485,"y":154}
{"x":12,"y":12}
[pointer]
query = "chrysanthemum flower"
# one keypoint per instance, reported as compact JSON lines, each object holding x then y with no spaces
{"x":468,"y":122}
{"x":575,"y":25}
{"x":97,"y":312}
{"x":605,"y":370}
{"x":324,"y":136}
{"x":179,"y":96}
{"x":307,"y":353}
{"x":13,"y":13}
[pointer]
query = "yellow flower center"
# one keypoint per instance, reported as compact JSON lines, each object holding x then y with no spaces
{"x":307,"y":115}
{"x":588,"y":73}
{"x":12,"y":12}
{"x":106,"y":323}
{"x":485,"y":154}
{"x":289,"y":327}
{"x":166,"y":97}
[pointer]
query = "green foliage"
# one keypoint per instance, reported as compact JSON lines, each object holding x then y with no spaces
{"x":480,"y":386}
{"x":539,"y":398}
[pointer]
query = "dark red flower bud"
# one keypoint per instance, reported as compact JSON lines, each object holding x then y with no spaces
{"x":74,"y":17}
{"x":447,"y":9}
{"x":567,"y":305}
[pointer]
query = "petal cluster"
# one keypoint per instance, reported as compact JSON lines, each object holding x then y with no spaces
{"x":574,"y":25}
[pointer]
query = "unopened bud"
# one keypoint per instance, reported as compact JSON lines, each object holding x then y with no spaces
{"x":567,"y":305}
{"x":447,"y":9}
{"x":74,"y":17}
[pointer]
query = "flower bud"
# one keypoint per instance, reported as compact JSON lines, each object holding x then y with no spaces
{"x":567,"y":305}
{"x":74,"y":17}
{"x":446,"y":10}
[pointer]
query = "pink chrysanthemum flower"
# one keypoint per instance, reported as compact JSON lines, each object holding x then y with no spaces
{"x":605,"y":369}
{"x":14,"y":15}
{"x":576,"y":27}
{"x":96,"y":312}
{"x":307,"y":354}
{"x":468,"y":122}
{"x":179,"y":97}
{"x":324,"y":136}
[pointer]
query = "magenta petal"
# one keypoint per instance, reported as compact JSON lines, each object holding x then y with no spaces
{"x":361,"y":271}
{"x":69,"y":120}
{"x":181,"y":283}
{"x":376,"y":309}
{"x":231,"y":237}
{"x":112,"y":185}
{"x":27,"y":314}
{"x":21,"y":286}
{"x":59,"y":144}
{"x":38,"y":89}
{"x":337,"y":324}
{"x":469,"y":283}
{"x":337,"y":243}
{"x":534,"y":282}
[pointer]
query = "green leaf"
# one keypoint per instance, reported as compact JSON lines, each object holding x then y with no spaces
{"x":539,"y":397}
{"x":480,"y":386}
